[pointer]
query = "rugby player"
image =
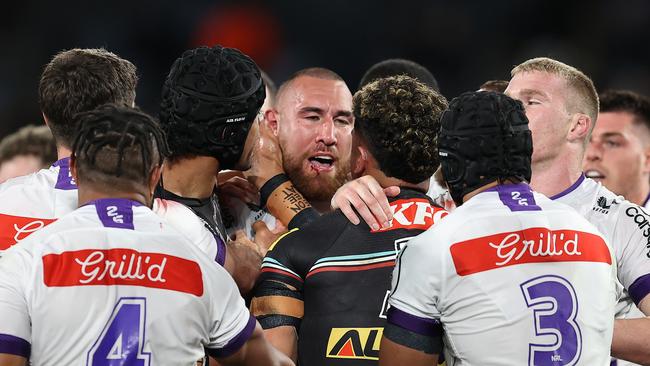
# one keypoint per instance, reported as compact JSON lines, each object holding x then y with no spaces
{"x":322,"y":293}
{"x":618,"y":154}
{"x":513,"y":277}
{"x":114,"y":283}
{"x":74,"y":81}
{"x":562,"y":104}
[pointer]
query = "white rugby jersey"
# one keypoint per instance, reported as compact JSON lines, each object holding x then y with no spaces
{"x":30,"y":202}
{"x":510,"y":277}
{"x":244,"y":216}
{"x":625,"y":225}
{"x":112,"y":282}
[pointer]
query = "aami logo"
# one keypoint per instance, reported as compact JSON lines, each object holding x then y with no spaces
{"x":355,"y":343}
{"x":15,"y":228}
{"x":415,"y":213}
{"x":111,"y":211}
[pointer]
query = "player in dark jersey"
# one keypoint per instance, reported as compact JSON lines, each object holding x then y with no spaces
{"x":322,"y":292}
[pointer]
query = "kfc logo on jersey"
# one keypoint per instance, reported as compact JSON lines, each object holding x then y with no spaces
{"x":122,"y":267}
{"x":414,"y":214}
{"x":533,"y":245}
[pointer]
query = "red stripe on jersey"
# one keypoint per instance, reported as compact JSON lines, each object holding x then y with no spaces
{"x":16,"y":228}
{"x":534,"y":245}
{"x":364,"y":267}
{"x":415,"y":213}
{"x":126,"y":267}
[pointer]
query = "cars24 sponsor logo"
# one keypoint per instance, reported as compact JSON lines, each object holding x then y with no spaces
{"x":642,"y":220}
{"x":354,"y":343}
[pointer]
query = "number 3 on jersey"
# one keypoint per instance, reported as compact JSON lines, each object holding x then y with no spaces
{"x":555,"y":308}
{"x":122,"y":340}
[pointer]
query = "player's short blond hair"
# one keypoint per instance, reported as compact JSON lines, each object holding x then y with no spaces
{"x":582,"y":96}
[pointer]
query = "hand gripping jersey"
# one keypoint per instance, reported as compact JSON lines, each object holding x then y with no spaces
{"x":242,"y":216}
{"x":113,"y":283}
{"x":511,"y":277}
{"x":30,"y":202}
{"x":341,"y":273}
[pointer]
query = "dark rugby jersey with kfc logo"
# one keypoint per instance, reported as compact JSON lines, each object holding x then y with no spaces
{"x":331,"y":281}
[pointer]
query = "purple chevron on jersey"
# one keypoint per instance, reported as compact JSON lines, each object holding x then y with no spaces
{"x":115,"y":212}
{"x":518,"y":197}
{"x":64,"y":181}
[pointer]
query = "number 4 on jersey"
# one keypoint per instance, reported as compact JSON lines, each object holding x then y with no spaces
{"x":122,"y":340}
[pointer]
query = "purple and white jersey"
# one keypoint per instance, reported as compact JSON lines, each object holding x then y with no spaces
{"x":30,"y":202}
{"x":113,"y":283}
{"x":625,"y":225}
{"x":510,"y":277}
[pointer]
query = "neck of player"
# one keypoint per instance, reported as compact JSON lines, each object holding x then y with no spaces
{"x":87,"y":193}
{"x":553,"y":176}
{"x":191,"y":177}
{"x":385,"y":181}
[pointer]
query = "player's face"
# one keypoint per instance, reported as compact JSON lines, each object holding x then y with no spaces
{"x":544,"y":96}
{"x":315,"y":122}
{"x":616,"y":154}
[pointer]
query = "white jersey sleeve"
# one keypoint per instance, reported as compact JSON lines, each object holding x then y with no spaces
{"x":14,"y":316}
{"x":185,"y":221}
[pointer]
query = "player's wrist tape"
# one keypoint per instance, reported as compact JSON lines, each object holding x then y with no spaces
{"x":270,"y":186}
{"x":303,"y":218}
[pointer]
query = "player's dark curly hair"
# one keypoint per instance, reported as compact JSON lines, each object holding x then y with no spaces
{"x":209,"y":101}
{"x":80,"y":80}
{"x":117,"y":146}
{"x":399,"y":118}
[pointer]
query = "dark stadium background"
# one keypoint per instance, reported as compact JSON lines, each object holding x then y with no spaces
{"x":463,"y":42}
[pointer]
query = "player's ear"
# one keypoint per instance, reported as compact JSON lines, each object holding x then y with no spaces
{"x":73,"y":168}
{"x":580,"y":127}
{"x":360,"y":163}
{"x":154,"y":178}
{"x":271,"y":117}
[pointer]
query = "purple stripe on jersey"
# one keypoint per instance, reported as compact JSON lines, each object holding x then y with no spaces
{"x":14,"y":345}
{"x":221,"y":251}
{"x":64,"y":181}
{"x":640,"y":288}
{"x":423,"y":326}
{"x":518,"y":197}
{"x":237,"y":342}
{"x":614,"y":362}
{"x":115,"y":212}
{"x":570,"y":189}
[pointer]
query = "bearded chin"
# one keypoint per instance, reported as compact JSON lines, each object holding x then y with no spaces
{"x":320,"y":188}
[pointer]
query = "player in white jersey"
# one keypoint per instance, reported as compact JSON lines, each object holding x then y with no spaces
{"x":113,"y":283}
{"x":562,"y":105}
{"x":74,"y":81}
{"x":511,"y":276}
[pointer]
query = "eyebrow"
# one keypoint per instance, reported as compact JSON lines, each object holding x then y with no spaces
{"x":532,"y":92}
{"x":342,"y":113}
{"x":611,"y":134}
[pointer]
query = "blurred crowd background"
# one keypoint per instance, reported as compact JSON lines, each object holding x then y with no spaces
{"x":462,"y":42}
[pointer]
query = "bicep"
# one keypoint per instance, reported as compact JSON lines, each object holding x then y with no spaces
{"x":392,"y":353}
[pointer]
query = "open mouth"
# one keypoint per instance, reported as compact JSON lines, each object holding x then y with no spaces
{"x":594,"y":174}
{"x":321,"y":162}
